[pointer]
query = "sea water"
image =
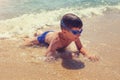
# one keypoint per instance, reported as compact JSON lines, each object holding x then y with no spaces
{"x":24,"y":16}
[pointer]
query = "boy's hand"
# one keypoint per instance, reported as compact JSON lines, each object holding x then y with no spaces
{"x":50,"y":59}
{"x":92,"y":57}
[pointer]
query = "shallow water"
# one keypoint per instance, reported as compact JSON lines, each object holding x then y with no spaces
{"x":14,"y":8}
{"x":24,"y":17}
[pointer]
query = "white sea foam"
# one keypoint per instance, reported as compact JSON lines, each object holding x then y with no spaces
{"x":28,"y":23}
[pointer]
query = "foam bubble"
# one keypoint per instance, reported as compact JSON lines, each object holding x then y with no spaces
{"x":28,"y":23}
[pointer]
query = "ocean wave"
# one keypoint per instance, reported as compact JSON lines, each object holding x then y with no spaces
{"x":28,"y":23}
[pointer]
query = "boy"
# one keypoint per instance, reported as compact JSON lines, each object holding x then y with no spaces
{"x":71,"y":28}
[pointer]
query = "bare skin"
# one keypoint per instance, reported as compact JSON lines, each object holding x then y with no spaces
{"x":61,"y":39}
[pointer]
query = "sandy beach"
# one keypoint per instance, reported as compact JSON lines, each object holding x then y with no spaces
{"x":100,"y":37}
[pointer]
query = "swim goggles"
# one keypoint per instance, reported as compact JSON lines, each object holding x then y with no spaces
{"x":75,"y":32}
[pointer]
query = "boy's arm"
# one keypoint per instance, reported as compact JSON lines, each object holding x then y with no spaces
{"x":83,"y":51}
{"x":80,"y":47}
{"x":50,"y":51}
{"x":52,"y":47}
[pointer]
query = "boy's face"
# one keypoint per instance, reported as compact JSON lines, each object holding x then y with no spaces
{"x":73,"y":34}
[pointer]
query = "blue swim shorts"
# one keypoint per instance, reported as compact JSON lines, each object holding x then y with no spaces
{"x":41,"y":38}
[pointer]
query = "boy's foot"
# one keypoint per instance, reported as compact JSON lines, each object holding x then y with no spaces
{"x":27,"y":42}
{"x":39,"y":32}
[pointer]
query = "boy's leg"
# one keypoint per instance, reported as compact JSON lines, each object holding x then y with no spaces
{"x":30,"y":41}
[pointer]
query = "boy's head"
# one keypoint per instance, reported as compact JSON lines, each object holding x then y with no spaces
{"x":71,"y":26}
{"x":70,"y":21}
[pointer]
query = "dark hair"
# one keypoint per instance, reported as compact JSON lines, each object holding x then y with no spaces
{"x":71,"y":20}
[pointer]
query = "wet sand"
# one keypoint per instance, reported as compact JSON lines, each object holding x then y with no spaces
{"x":100,"y":37}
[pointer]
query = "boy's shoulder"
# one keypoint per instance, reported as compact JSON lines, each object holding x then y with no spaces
{"x":54,"y":35}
